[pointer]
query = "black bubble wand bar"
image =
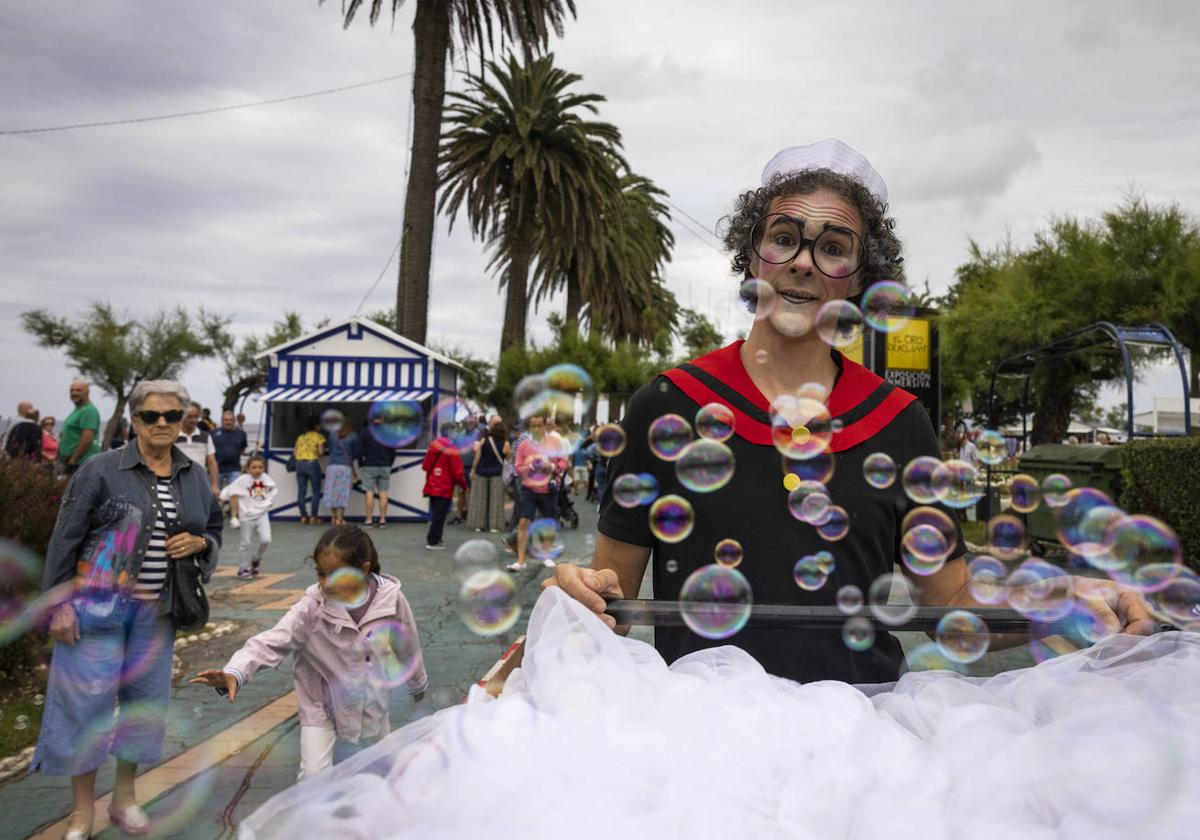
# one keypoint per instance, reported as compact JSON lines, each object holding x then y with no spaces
{"x":790,"y":616}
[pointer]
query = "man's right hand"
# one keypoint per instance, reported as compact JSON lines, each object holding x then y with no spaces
{"x":64,"y":625}
{"x":590,"y":587}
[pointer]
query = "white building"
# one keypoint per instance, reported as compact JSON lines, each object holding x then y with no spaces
{"x":1167,"y":416}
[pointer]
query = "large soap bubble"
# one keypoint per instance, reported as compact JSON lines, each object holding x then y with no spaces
{"x":715,"y":601}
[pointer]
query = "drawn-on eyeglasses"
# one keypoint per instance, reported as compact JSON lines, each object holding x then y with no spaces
{"x":837,"y":251}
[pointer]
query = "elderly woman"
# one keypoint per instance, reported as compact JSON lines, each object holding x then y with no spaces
{"x":813,"y":234}
{"x":126,"y":514}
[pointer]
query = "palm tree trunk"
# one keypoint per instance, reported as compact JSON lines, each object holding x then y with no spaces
{"x":431,"y":36}
{"x":574,"y":295}
{"x":516,"y":301}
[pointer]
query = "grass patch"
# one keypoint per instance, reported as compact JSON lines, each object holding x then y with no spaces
{"x":12,"y":739}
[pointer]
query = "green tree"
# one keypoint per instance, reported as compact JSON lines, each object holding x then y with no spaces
{"x":517,"y":154}
{"x":476,"y":379}
{"x":1137,"y":263}
{"x":526,"y":24}
{"x":116,"y":351}
{"x":244,"y":372}
{"x":699,"y":335}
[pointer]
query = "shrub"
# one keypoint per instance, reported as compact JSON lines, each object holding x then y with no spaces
{"x":1162,"y":479}
{"x":29,"y":501}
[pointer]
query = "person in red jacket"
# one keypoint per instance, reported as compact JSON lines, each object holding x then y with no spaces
{"x":443,"y":470}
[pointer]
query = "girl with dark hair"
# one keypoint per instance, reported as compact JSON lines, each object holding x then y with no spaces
{"x":485,"y":512}
{"x":354,"y":638}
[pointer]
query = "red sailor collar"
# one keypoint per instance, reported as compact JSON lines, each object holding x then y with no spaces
{"x":861,"y":400}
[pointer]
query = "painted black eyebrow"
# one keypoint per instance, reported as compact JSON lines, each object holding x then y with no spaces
{"x":801,"y":221}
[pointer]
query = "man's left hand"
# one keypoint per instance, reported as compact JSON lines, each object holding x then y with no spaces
{"x":1117,"y":608}
{"x":185,"y":545}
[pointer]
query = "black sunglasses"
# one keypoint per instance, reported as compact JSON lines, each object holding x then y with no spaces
{"x":175,"y":415}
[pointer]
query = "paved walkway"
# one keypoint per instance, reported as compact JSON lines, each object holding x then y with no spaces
{"x":223,"y":760}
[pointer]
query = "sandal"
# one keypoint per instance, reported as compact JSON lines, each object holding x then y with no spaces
{"x":77,"y":833}
{"x":131,"y":819}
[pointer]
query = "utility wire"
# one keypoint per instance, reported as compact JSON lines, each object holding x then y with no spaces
{"x":379,"y":279}
{"x":203,"y":111}
{"x":694,"y":220}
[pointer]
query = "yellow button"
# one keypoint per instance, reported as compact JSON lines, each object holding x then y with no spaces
{"x":791,"y":481}
{"x":800,"y":435}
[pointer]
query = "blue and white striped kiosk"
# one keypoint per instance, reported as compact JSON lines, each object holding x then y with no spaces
{"x":349,"y":366}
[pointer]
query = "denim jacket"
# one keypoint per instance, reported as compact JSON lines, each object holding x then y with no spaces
{"x":107,"y":517}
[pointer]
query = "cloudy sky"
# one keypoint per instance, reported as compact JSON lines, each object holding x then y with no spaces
{"x":985,"y":120}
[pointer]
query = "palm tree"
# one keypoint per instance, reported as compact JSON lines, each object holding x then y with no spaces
{"x":613,"y":278}
{"x":525,"y":23}
{"x":519,"y":157}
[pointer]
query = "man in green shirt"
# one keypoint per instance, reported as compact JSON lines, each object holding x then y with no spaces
{"x":80,"y":438}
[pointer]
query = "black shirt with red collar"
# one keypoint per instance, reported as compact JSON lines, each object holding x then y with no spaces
{"x":752,"y":508}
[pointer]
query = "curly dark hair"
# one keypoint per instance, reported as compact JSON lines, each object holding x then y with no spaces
{"x":882,"y":259}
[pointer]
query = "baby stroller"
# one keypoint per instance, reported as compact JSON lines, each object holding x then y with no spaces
{"x":568,"y":517}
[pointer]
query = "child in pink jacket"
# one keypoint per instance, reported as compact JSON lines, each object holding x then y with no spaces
{"x":354,"y":638}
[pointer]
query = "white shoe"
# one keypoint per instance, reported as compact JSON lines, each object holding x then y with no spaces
{"x":234,"y":522}
{"x":515,"y":567}
{"x":548,"y":563}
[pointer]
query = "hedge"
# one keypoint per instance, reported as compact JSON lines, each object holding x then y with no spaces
{"x":29,"y":499}
{"x":1162,"y":479}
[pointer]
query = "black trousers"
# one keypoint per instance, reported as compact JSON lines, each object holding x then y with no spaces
{"x":438,"y":508}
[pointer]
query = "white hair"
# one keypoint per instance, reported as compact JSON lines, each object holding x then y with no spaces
{"x":163,"y":387}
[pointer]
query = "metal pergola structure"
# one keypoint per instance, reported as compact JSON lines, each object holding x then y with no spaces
{"x":1101,"y":334}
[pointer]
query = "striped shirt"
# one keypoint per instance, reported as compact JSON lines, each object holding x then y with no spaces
{"x":154,"y":565}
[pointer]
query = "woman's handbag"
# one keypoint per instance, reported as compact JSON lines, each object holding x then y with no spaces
{"x":189,"y":602}
{"x":290,"y":466}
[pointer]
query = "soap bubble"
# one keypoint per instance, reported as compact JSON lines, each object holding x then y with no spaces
{"x":839,"y":323}
{"x":987,"y":580}
{"x":395,"y":423}
{"x":815,"y":509}
{"x":760,"y":356}
{"x":530,"y":395}
{"x":1069,"y":518}
{"x":929,"y":657}
{"x":836,"y":524}
{"x":715,"y":601}
{"x":395,"y":653}
{"x":459,"y":419}
{"x":610,"y":440}
{"x":879,"y":470}
{"x":887,"y":305}
{"x":1040,"y":591}
{"x":1094,"y":528}
{"x":21,"y":722}
{"x":801,"y":491}
{"x":668,"y":435}
{"x":1054,"y":489}
{"x":924,"y":549}
{"x":758,"y":296}
{"x":569,"y":383}
{"x":962,"y":485}
{"x":332,"y":420}
{"x":808,"y":574}
{"x":487,"y":602}
{"x":924,"y":479}
{"x":1006,"y":536}
{"x":1140,"y":540}
{"x":728,"y":552}
{"x":962,"y":636}
{"x":671,"y":518}
{"x":715,"y":421}
{"x":348,"y":587}
{"x":672,"y":566}
{"x":858,"y":633}
{"x":893,"y":610}
{"x":819,"y":467}
{"x":813,"y":391}
{"x":704,"y":466}
{"x":474,"y":555}
{"x":800,"y":427}
{"x":849,"y":599}
{"x":1178,"y":602}
{"x":630,"y":490}
{"x":1025,"y":493}
{"x":991,"y":446}
{"x":544,"y":542}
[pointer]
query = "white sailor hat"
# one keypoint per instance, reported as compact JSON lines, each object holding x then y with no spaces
{"x":828,"y":154}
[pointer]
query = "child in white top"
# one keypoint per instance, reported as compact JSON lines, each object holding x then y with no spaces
{"x":250,"y":497}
